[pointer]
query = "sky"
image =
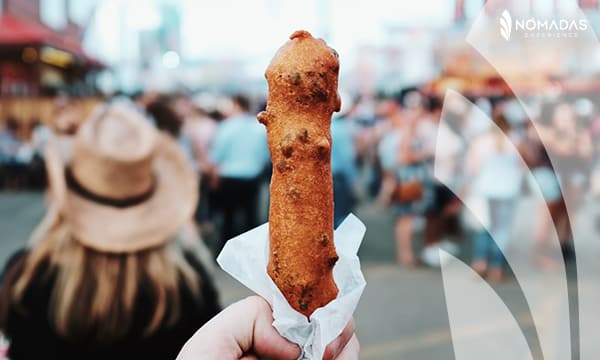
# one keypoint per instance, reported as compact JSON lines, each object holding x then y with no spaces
{"x":250,"y":28}
{"x":250,"y":31}
{"x":213,"y":29}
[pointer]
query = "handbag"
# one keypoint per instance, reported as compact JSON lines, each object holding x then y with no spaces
{"x":408,"y":191}
{"x":412,"y":190}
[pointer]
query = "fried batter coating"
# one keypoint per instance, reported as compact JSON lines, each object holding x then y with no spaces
{"x":303,"y":82}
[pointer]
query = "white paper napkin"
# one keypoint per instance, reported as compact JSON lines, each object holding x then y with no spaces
{"x":245,"y":257}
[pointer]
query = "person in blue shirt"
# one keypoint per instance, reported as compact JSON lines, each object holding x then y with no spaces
{"x":239,"y":155}
{"x":343,"y":162}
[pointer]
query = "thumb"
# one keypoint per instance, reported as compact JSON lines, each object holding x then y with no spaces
{"x":241,"y":331}
{"x":266,"y":340}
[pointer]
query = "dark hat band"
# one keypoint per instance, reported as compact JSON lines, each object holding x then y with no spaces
{"x":80,"y":190}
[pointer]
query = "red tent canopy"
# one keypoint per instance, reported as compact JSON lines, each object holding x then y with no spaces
{"x":16,"y":31}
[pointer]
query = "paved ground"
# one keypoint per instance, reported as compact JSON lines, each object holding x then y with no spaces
{"x":402,"y":314}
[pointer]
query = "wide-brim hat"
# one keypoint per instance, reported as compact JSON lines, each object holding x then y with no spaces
{"x":121,"y":185}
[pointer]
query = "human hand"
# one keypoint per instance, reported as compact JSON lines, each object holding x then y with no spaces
{"x":244,"y":331}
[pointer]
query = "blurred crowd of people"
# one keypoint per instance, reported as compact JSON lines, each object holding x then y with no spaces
{"x":424,"y":163}
{"x":20,"y":159}
{"x":482,"y":159}
{"x":384,"y":153}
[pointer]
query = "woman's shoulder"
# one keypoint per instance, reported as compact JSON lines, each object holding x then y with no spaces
{"x":38,"y":289}
{"x":33,"y":306}
{"x":209,"y":297}
{"x":204,"y":274}
{"x":10,"y":273}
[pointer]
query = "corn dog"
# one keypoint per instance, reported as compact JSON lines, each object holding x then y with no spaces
{"x":303,"y":81}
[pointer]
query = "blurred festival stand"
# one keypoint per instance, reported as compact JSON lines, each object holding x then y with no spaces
{"x":467,"y":72}
{"x":546,"y":68}
{"x":38,"y":62}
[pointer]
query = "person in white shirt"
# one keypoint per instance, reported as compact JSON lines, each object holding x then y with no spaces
{"x":201,"y":130}
{"x":405,"y":161}
{"x":492,"y":157}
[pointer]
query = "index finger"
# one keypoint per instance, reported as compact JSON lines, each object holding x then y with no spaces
{"x":336,"y":346}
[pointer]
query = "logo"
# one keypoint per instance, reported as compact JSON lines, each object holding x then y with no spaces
{"x":506,"y":25}
{"x":533,"y":27}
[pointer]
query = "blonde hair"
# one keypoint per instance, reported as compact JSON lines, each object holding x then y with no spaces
{"x":95,"y":293}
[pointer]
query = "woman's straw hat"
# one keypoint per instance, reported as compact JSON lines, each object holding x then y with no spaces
{"x":120,"y":184}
